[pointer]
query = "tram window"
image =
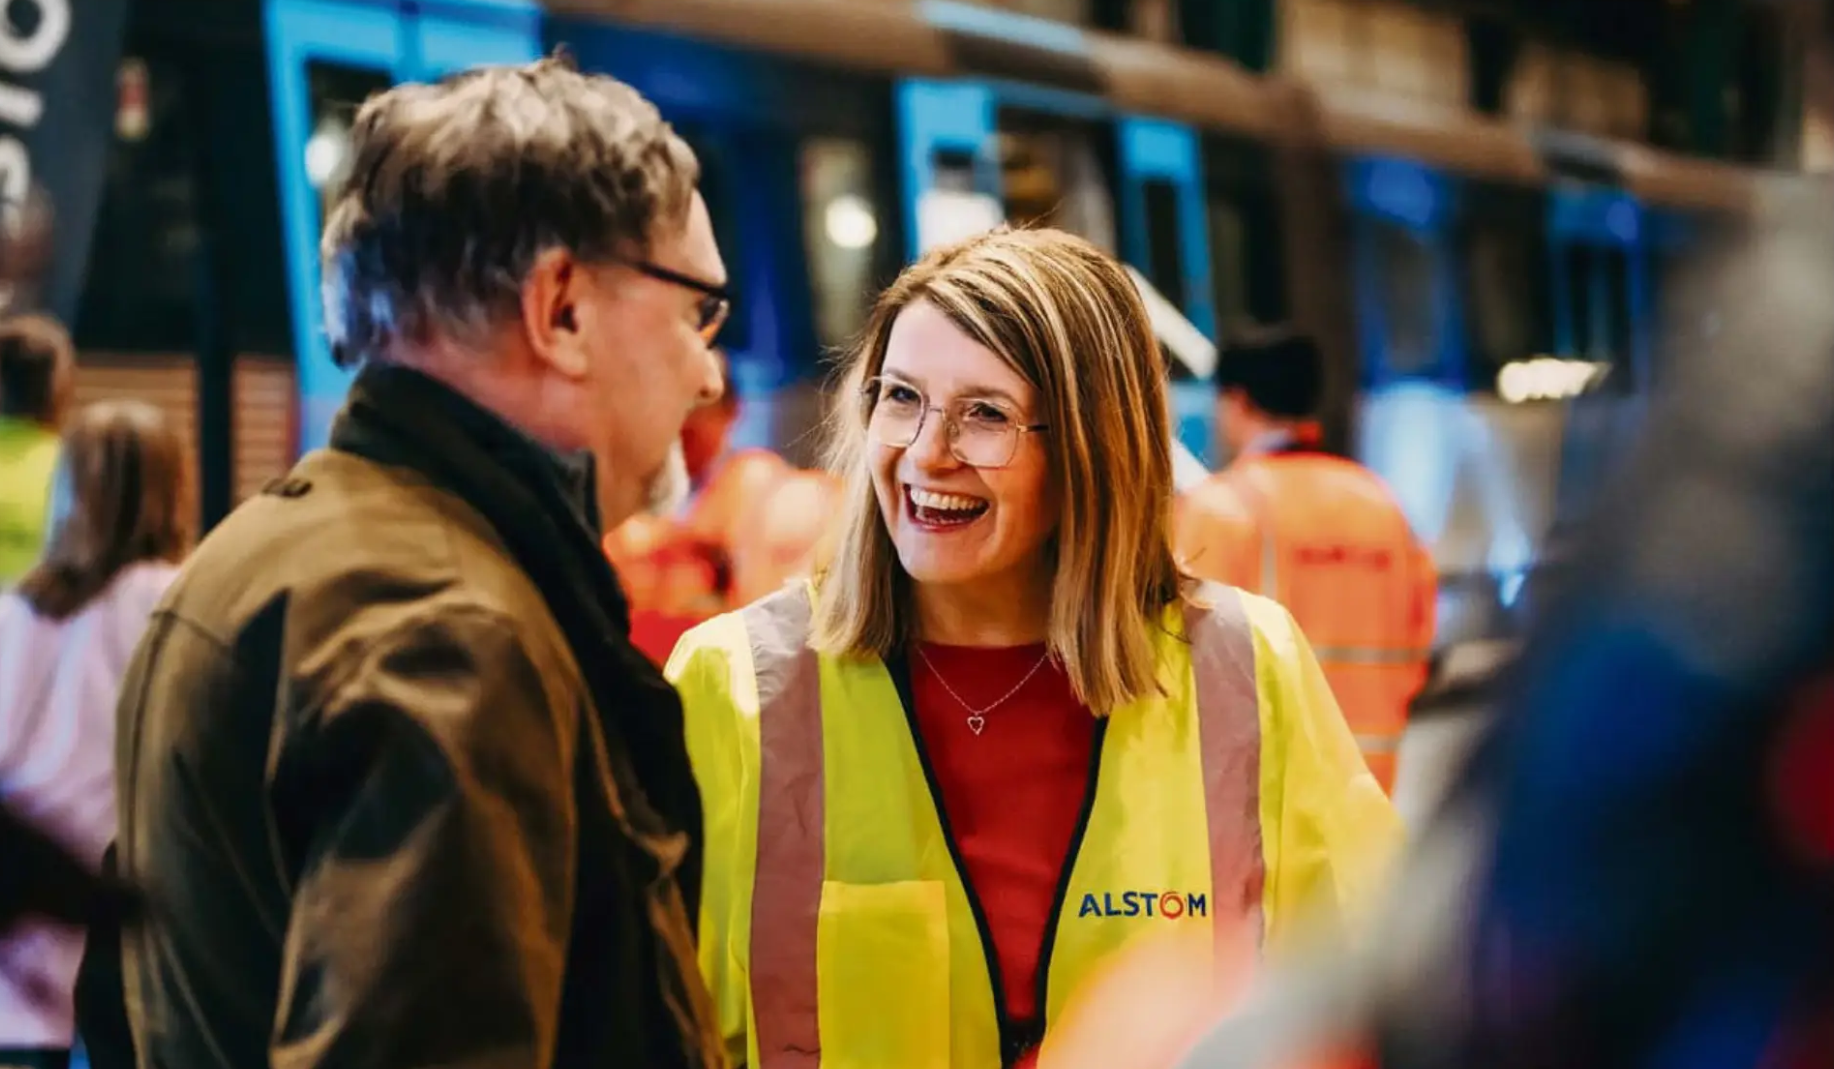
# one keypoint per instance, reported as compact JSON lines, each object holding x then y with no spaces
{"x":1230,"y":270}
{"x":1058,"y":172}
{"x":1248,"y":268}
{"x":1164,"y":250}
{"x":1508,"y":318}
{"x":954,"y":170}
{"x":842,"y":231}
{"x":710,"y":150}
{"x":1405,"y":275}
{"x":1576,"y":276}
{"x":1614,"y":267}
{"x":1598,"y":300}
{"x":336,"y":91}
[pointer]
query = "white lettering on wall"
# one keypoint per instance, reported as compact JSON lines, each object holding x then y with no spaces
{"x":35,"y":51}
{"x":22,"y":107}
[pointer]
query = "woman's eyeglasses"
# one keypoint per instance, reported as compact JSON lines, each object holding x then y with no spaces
{"x":715,"y":304}
{"x":982,"y":433}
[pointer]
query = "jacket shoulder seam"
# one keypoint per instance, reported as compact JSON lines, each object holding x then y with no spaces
{"x":350,"y":661}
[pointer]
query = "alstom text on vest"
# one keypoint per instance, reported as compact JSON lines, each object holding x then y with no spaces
{"x":1170,"y":905}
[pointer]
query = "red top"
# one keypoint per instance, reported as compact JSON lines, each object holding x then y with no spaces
{"x":1012,"y":793}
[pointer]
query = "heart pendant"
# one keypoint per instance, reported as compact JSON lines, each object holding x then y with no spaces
{"x":976,"y":723}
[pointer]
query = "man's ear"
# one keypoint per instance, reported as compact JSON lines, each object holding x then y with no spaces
{"x":550,"y":311}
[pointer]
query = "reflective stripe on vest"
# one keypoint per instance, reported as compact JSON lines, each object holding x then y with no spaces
{"x":1223,"y":669}
{"x":786,"y":887}
{"x":791,"y":863}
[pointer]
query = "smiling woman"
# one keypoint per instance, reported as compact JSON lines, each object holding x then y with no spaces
{"x":1000,"y":701}
{"x":949,"y":479}
{"x":977,"y":397}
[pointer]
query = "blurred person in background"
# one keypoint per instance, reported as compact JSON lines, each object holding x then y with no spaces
{"x":675,"y":557}
{"x":37,"y":380}
{"x":748,"y":523}
{"x":788,"y":529}
{"x":399,"y":784}
{"x":671,"y":582}
{"x":1001,"y":737}
{"x":125,"y":518}
{"x":1320,"y":534}
{"x":724,"y":482}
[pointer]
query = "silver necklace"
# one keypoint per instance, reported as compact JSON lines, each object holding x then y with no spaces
{"x":977,"y":718}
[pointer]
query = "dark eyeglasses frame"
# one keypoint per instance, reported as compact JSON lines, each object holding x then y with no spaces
{"x":716,"y":303}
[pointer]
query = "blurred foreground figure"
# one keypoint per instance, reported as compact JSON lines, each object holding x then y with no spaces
{"x":1320,"y":534}
{"x":1638,"y":868}
{"x":402,"y":790}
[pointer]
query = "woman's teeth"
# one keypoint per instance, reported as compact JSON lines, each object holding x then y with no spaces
{"x":944,"y":510}
{"x":945,"y":502}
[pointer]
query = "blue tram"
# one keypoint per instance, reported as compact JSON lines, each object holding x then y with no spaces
{"x":1491,"y":309}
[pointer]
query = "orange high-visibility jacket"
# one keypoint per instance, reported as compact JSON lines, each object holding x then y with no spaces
{"x":718,"y":512}
{"x":681,"y":566}
{"x":751,"y":528}
{"x":784,"y":529}
{"x":676,"y":571}
{"x":1324,"y":537}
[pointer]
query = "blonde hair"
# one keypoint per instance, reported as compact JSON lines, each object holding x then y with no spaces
{"x":1067,"y":318}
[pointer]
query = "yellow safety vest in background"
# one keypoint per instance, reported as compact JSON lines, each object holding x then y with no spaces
{"x":835,"y":925}
{"x":28,"y":465}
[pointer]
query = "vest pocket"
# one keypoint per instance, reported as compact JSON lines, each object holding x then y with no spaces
{"x":882,"y":968}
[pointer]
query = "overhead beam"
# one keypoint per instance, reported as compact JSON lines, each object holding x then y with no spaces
{"x":945,"y":38}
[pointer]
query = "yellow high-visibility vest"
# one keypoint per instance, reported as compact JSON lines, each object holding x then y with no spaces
{"x":836,"y":927}
{"x":28,"y":464}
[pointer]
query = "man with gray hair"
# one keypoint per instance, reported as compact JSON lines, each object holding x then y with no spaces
{"x":400,"y":788}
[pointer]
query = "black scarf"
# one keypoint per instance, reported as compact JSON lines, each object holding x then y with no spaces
{"x":544,"y":508}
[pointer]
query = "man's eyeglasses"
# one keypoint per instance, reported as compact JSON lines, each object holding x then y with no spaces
{"x":715,"y":304}
{"x":982,"y":433}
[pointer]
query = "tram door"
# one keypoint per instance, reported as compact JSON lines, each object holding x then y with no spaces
{"x":1423,"y":423}
{"x":1409,"y":334}
{"x":324,"y":58}
{"x":974,"y":154}
{"x":1603,"y":315}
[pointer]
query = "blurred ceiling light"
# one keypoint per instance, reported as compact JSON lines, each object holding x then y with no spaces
{"x":850,"y":222}
{"x":325,"y":152}
{"x":1547,"y":378}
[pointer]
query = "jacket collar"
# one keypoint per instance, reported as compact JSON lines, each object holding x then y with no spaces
{"x":572,"y":475}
